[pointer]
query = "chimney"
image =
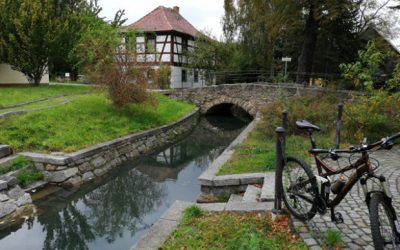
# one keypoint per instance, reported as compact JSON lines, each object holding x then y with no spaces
{"x":176,"y":9}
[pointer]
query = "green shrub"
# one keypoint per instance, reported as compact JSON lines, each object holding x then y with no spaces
{"x":27,"y":176}
{"x":372,"y":117}
{"x":15,"y":164}
{"x":192,"y":212}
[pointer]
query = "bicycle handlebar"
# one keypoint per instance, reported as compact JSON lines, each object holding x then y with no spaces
{"x":384,"y":142}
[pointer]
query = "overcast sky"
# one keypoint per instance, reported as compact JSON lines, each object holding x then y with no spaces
{"x":203,"y":14}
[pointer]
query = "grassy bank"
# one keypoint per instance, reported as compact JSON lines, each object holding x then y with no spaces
{"x":85,"y":121}
{"x":205,"y":230}
{"x":373,"y":117}
{"x":15,"y":95}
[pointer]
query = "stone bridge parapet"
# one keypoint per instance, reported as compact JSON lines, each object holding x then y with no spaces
{"x":249,"y":96}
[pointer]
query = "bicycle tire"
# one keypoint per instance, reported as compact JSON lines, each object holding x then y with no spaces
{"x":302,"y":211}
{"x":376,"y":202}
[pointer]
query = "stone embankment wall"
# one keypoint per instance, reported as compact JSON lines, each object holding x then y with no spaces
{"x":225,"y":185}
{"x":82,"y":166}
{"x":12,"y":196}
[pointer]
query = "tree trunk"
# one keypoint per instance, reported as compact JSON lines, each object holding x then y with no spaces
{"x":305,"y":61}
{"x":37,"y":78}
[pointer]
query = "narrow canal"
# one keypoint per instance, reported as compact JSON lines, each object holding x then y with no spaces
{"x":116,"y":211}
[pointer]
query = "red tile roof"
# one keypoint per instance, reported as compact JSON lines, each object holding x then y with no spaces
{"x":164,"y":19}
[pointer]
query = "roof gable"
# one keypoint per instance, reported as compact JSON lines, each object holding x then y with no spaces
{"x":164,"y":19}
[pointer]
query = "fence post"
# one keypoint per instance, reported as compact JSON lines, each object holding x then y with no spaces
{"x":339,"y":124}
{"x":280,"y":152}
{"x":285,"y":119}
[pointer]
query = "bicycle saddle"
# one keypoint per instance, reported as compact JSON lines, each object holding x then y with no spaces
{"x":307,"y":125}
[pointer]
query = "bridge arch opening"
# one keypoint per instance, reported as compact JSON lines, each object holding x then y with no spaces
{"x":229,"y":109}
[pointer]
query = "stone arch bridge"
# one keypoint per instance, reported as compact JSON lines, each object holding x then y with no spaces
{"x":249,"y":96}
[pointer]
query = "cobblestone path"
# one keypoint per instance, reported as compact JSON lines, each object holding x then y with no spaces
{"x":355,"y":231}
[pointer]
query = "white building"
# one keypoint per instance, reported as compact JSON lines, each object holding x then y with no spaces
{"x":9,"y":76}
{"x":166,"y":37}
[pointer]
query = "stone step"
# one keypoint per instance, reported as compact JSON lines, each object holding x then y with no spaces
{"x":268,"y":188}
{"x":252,"y":194}
{"x":235,"y":198}
{"x":249,"y":206}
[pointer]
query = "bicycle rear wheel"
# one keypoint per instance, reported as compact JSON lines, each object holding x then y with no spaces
{"x":299,"y":188}
{"x":382,"y":217}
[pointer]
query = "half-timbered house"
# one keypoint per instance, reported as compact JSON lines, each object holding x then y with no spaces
{"x":165,"y":37}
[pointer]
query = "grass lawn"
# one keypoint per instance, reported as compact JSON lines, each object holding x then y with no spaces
{"x":85,"y":121}
{"x":15,"y":95}
{"x":257,"y":153}
{"x":206,"y":230}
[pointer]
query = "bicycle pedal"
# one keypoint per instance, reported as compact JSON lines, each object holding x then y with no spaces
{"x":338,"y":218}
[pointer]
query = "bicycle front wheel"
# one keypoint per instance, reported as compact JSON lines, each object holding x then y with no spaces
{"x":382,"y":217}
{"x":299,"y":188}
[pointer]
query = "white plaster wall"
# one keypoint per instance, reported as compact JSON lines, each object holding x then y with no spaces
{"x":176,"y":77}
{"x":166,"y":58}
{"x":10,"y":76}
{"x":161,"y":38}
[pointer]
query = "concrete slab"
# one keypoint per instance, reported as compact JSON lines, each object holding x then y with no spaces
{"x":242,"y":207}
{"x":268,"y":188}
{"x":226,"y":180}
{"x":252,"y":194}
{"x":174,"y":212}
{"x":156,"y":236}
{"x":213,"y":207}
{"x":235,"y":198}
{"x":251,"y":178}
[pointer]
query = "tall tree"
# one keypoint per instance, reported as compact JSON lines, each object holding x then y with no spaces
{"x":29,"y":31}
{"x":268,"y":29}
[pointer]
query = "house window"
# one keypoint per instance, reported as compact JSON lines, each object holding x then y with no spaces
{"x":184,"y":45}
{"x":196,"y":75}
{"x":184,"y":75}
{"x":151,"y":44}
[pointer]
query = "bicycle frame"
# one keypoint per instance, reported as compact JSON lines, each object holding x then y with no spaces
{"x":362,"y":166}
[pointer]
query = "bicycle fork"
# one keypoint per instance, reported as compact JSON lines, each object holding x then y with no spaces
{"x":385,"y":190}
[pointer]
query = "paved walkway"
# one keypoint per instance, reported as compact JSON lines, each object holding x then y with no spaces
{"x":355,"y":231}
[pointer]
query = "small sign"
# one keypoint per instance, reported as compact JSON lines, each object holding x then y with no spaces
{"x":286,"y":59}
{"x":67,"y":75}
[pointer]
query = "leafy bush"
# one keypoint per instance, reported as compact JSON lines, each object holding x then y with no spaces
{"x":17,"y":163}
{"x":362,"y":72}
{"x":162,"y":77}
{"x":27,"y":176}
{"x":373,"y":117}
{"x":113,"y":65}
{"x":394,"y":83}
{"x":281,"y":78}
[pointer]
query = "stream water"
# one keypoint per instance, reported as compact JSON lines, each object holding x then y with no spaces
{"x":115,"y":212}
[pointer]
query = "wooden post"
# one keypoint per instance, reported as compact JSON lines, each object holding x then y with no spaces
{"x":339,"y":124}
{"x":285,"y":119}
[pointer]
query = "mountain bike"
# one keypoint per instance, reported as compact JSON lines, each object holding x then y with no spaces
{"x":305,"y":193}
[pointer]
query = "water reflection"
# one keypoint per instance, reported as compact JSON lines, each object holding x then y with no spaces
{"x":114,"y":213}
